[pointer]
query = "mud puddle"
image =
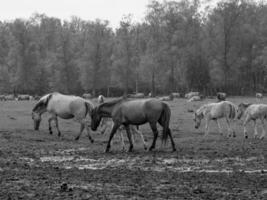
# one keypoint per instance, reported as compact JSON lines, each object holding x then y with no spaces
{"x":148,"y":163}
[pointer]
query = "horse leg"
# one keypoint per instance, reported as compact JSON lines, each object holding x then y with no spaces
{"x":127,"y":127}
{"x":207,"y":128}
{"x":49,"y":125}
{"x":172,"y":141}
{"x":219,"y":127}
{"x":134,"y":129}
{"x":263,"y":129}
{"x":255,"y":129}
{"x":81,"y":130}
{"x":122,"y":139}
{"x":113,"y":131}
{"x":88,"y":132}
{"x":153,"y":126}
{"x":230,"y":130}
{"x":58,"y":131}
{"x":244,"y":125}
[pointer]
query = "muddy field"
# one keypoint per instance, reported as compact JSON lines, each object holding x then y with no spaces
{"x":37,"y":165}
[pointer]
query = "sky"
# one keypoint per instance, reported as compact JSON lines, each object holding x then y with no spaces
{"x":111,"y":10}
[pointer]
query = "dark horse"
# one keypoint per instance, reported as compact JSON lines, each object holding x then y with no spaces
{"x":134,"y":112}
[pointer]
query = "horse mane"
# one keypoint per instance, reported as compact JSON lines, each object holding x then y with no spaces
{"x":112,"y":102}
{"x":43,"y":101}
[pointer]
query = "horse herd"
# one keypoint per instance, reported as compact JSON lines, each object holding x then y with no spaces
{"x":130,"y":113}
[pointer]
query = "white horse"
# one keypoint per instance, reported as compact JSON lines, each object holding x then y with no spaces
{"x":65,"y":107}
{"x":215,"y":111}
{"x":107,"y":123}
{"x":259,"y":95}
{"x":253,"y":112}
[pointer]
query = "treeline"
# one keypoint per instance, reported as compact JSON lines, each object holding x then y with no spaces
{"x":179,"y":47}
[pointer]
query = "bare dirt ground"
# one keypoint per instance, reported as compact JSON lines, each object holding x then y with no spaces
{"x":37,"y":165}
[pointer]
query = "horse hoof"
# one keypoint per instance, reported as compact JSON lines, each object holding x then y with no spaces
{"x":107,"y":151}
{"x":246,"y":137}
{"x":174,"y":150}
{"x":145,"y":148}
{"x":50,"y":132}
{"x":77,"y":138}
{"x":92,"y":141}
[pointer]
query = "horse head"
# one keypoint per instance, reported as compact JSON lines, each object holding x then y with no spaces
{"x":197,"y":119}
{"x":39,"y":109}
{"x":36,"y":117}
{"x":241,"y":109}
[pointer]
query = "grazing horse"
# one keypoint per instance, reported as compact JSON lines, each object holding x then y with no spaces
{"x":107,"y":123}
{"x":253,"y":112}
{"x":134,"y":112}
{"x":65,"y":107}
{"x":215,"y":111}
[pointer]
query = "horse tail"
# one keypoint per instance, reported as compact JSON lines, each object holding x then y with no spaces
{"x":88,"y":107}
{"x":164,"y":121}
{"x":232,"y":111}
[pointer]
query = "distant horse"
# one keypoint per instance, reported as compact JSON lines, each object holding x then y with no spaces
{"x":23,"y":97}
{"x":2,"y":97}
{"x":176,"y":95}
{"x":10,"y":97}
{"x":221,"y":96}
{"x":107,"y":123}
{"x":166,"y":98}
{"x":259,"y":95}
{"x":134,"y":112}
{"x":194,"y":98}
{"x":65,"y":107}
{"x":253,"y":112}
{"x":191,"y":94}
{"x":137,"y":95}
{"x":215,"y":111}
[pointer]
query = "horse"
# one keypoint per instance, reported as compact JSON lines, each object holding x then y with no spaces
{"x":253,"y":112}
{"x":191,"y":94}
{"x":10,"y":97}
{"x":23,"y":97}
{"x":176,"y":94}
{"x":167,"y":98}
{"x":134,"y":112}
{"x":65,"y":107}
{"x":107,"y":123}
{"x":194,"y":98}
{"x":137,"y":95}
{"x":221,"y":96}
{"x":215,"y":111}
{"x":259,"y":95}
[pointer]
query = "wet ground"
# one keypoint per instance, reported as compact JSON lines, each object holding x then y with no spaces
{"x":37,"y":165}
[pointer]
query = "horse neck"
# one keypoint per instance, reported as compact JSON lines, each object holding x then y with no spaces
{"x":105,"y":111}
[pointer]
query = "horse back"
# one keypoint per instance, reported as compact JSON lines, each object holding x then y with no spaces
{"x":66,"y":106}
{"x":138,"y":111}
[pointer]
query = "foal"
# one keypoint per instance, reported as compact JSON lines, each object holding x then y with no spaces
{"x":253,"y":112}
{"x":215,"y":111}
